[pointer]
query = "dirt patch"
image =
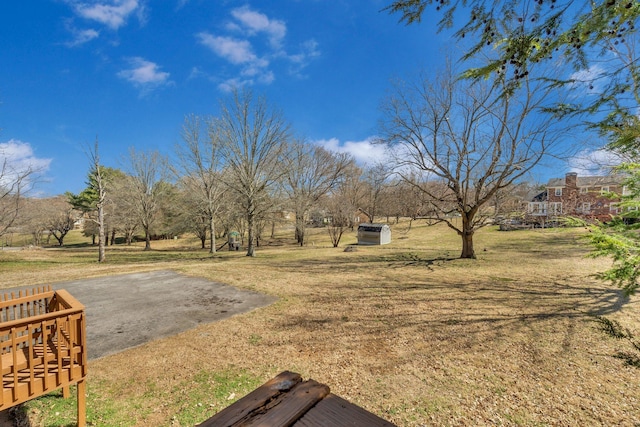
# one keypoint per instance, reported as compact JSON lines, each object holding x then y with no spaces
{"x":125,"y":311}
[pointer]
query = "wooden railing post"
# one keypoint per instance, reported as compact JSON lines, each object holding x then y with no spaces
{"x":82,"y":403}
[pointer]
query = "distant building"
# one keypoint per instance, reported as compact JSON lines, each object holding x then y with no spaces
{"x":584,"y":197}
{"x":374,"y":234}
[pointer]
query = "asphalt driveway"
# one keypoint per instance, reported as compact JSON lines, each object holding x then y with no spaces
{"x":125,"y":311}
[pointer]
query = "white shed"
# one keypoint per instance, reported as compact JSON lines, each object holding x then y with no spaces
{"x":374,"y":234}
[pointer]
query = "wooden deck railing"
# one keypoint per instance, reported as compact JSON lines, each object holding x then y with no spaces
{"x":42,"y":346}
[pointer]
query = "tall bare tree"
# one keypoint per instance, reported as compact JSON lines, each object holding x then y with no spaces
{"x":253,"y":137}
{"x":461,"y":143}
{"x":194,"y":214}
{"x":352,"y":193}
{"x":92,"y":200}
{"x":200,"y":163}
{"x":312,"y":172}
{"x":122,"y":206}
{"x":99,"y":184}
{"x":146,"y":185}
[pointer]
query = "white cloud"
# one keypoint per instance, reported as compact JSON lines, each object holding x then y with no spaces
{"x":195,"y":73}
{"x":365,"y":152}
{"x":81,"y":37}
{"x":594,"y":162}
{"x":588,"y":79}
{"x":18,"y":158}
{"x":238,"y":52}
{"x":255,"y":22}
{"x":254,"y":42}
{"x":235,"y":83}
{"x":113,"y":14}
{"x":233,"y":50}
{"x":309,"y":50}
{"x":144,"y":74}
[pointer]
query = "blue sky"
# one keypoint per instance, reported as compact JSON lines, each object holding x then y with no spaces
{"x":128,"y":71}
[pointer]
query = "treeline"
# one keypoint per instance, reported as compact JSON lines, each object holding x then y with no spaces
{"x":246,"y":171}
{"x":318,"y":189}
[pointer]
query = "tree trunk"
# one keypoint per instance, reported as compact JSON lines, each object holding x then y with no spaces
{"x":212,"y":228}
{"x":59,"y":239}
{"x":147,"y":239}
{"x":251,"y":250}
{"x":467,"y":239}
{"x":101,"y":246}
{"x":300,"y":229}
{"x":113,"y":237}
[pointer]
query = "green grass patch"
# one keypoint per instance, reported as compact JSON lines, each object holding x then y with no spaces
{"x":209,"y":392}
{"x":52,"y":410}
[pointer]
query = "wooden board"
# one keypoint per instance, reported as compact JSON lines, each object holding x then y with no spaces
{"x":334,"y":411}
{"x":286,"y":401}
{"x":255,"y":400}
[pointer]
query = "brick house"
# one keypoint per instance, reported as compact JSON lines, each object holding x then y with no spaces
{"x":584,"y":197}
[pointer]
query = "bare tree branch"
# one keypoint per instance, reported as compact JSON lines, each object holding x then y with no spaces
{"x":461,"y":143}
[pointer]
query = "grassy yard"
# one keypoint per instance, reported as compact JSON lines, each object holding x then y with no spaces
{"x":521,"y":336}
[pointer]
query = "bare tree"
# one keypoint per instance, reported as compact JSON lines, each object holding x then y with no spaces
{"x":33,"y":219}
{"x":147,"y":176}
{"x":461,"y":143}
{"x":171,"y":209}
{"x":92,"y":201}
{"x":231,"y":215}
{"x":121,"y":206}
{"x":99,"y":185}
{"x":199,"y":161}
{"x":340,"y":217}
{"x":352,"y":192}
{"x":15,"y":181}
{"x":312,"y":172}
{"x":193,"y":213}
{"x":60,"y":217}
{"x":375,"y":181}
{"x":392,"y":200}
{"x":253,"y":137}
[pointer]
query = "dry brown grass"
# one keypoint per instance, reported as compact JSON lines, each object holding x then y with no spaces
{"x":406,"y":331}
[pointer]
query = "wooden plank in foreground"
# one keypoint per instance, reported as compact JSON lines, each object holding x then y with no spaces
{"x":287,"y":401}
{"x":291,"y":406}
{"x":252,"y":402}
{"x":334,"y":411}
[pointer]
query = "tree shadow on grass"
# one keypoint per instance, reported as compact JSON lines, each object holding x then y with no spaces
{"x":54,"y":401}
{"x":390,"y":260}
{"x":472,"y":312}
{"x":539,"y":249}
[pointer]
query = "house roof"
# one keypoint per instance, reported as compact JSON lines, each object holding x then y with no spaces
{"x":538,"y":196}
{"x":588,"y":181}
